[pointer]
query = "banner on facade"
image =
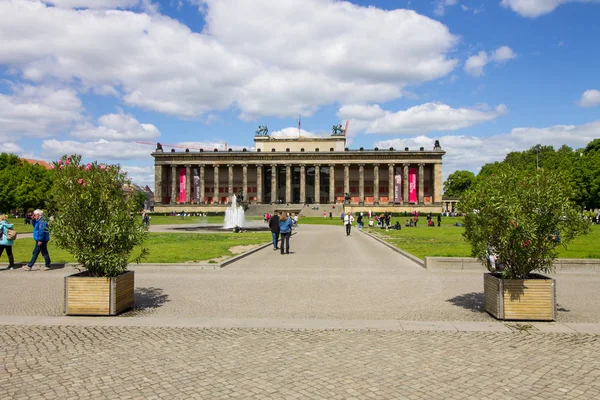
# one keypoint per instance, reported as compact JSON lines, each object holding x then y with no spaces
{"x":196,"y":188}
{"x":412,"y":185}
{"x":182,"y":185}
{"x":398,"y":185}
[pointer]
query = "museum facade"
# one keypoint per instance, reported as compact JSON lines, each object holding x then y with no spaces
{"x":299,"y":171}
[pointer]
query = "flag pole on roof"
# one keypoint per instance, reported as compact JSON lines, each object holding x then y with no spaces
{"x":298,"y":125}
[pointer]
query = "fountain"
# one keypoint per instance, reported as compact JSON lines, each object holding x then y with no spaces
{"x":234,"y":215}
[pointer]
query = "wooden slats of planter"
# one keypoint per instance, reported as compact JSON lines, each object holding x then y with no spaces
{"x":520,"y":299}
{"x":85,"y":295}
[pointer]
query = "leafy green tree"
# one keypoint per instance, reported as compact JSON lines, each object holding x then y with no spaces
{"x":95,"y":219}
{"x":458,"y":182}
{"x":519,"y":216}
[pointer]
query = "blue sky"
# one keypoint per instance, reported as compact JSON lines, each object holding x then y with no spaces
{"x":485,"y":77}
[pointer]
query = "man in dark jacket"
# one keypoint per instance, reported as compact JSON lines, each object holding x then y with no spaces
{"x":274,"y":225}
{"x":41,"y":237}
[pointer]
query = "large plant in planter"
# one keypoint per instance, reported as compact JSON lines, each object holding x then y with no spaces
{"x":522,"y":217}
{"x":95,"y":218}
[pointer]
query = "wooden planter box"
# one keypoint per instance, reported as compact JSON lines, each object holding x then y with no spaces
{"x":520,"y":299}
{"x":87,"y":295}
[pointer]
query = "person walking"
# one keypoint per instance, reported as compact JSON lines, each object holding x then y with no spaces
{"x":285,"y":229}
{"x":41,"y":237}
{"x":274,"y":225}
{"x":348,"y":220}
{"x":5,"y":243}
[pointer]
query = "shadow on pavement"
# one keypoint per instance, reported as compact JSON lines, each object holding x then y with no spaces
{"x":149,"y":298}
{"x":473,"y":301}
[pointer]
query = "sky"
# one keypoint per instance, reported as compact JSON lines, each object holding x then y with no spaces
{"x":484,"y":77}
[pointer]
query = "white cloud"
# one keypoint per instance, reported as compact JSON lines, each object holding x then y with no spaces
{"x":140,"y":175}
{"x":98,"y":150}
{"x":503,"y":54}
{"x":440,"y":6}
{"x":590,"y":98}
{"x":11,"y":148}
{"x":95,"y":4}
{"x":261,"y":58}
{"x":475,"y":64}
{"x":116,"y":127}
{"x":471,"y":152}
{"x":535,"y":8}
{"x":38,"y":111}
{"x":425,"y":118}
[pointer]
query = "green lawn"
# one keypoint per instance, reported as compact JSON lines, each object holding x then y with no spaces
{"x":20,"y":225}
{"x":447,"y":241}
{"x":163,"y":247}
{"x":166,"y":220}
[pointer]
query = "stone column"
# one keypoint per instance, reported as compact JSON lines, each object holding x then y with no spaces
{"x":288,"y":183}
{"x":230,"y":183}
{"x":405,"y":180}
{"x":188,"y":185}
{"x":259,"y":199}
{"x":273,"y":183}
{"x":346,"y":179}
{"x":216,"y":192}
{"x":173,"y":184}
{"x":376,"y":184}
{"x":332,"y":183}
{"x":245,"y":182}
{"x":158,"y":184}
{"x":202,"y":185}
{"x":420,"y":189}
{"x":390,"y":183}
{"x":361,"y":184}
{"x":317,"y":184}
{"x":302,"y":184}
{"x":437,"y":183}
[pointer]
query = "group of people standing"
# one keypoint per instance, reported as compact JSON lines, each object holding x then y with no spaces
{"x":281,"y":225}
{"x":41,"y":236}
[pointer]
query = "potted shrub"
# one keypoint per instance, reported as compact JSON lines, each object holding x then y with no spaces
{"x":515,"y":221}
{"x":96,"y":221}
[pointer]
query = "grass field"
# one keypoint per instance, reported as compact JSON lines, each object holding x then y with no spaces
{"x":447,"y":241}
{"x":163,"y":247}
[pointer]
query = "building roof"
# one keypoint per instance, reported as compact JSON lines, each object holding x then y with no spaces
{"x":38,"y":162}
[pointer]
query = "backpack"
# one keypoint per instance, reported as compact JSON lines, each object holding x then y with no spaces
{"x":11,"y":234}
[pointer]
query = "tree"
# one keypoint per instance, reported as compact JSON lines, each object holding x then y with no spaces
{"x":95,"y":219}
{"x":522,"y":217}
{"x":458,"y":182}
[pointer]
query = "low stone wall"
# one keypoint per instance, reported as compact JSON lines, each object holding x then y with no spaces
{"x":468,"y":263}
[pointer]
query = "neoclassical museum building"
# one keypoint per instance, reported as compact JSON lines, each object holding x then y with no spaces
{"x":297,"y":172}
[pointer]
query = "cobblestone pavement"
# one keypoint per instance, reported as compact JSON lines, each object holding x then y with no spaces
{"x":165,"y":363}
{"x":329,"y":277}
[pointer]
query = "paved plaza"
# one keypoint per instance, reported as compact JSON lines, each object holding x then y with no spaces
{"x":339,"y":318}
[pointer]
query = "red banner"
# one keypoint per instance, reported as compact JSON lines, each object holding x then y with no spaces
{"x":412,"y":185}
{"x":182,"y":185}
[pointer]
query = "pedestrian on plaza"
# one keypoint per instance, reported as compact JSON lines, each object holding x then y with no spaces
{"x":274,"y":225}
{"x":439,"y":218}
{"x":359,"y":221}
{"x":324,"y":214}
{"x":285,"y":229}
{"x":5,"y":243}
{"x":41,"y":237}
{"x":348,"y":220}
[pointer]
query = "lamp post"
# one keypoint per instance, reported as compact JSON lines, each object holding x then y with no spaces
{"x":537,"y":152}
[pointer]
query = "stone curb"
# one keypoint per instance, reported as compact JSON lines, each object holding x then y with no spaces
{"x":306,"y":324}
{"x":412,"y":258}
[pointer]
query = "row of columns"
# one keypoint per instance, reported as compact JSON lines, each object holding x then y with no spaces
{"x":288,"y":185}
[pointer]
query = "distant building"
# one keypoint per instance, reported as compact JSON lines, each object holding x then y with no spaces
{"x":38,"y":162}
{"x":303,"y":170}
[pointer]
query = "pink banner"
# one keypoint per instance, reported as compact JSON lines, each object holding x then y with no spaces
{"x":398,"y":186}
{"x":412,"y":185}
{"x":182,"y":185}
